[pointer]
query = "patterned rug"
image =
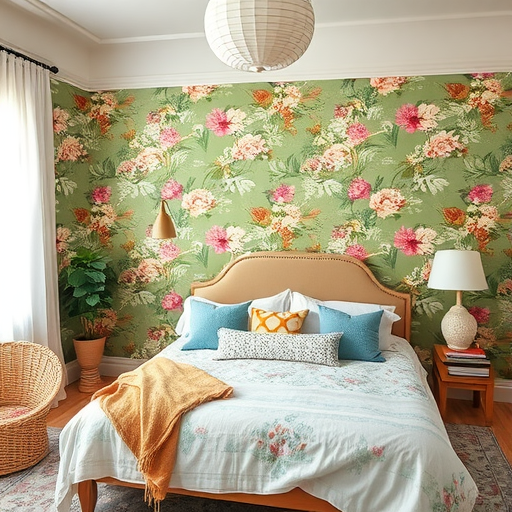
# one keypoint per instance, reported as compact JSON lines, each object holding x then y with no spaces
{"x":32,"y":490}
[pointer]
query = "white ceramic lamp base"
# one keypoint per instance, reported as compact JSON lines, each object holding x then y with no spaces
{"x":459,"y":328}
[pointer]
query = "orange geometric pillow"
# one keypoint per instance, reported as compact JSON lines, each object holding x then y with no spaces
{"x":271,"y":321}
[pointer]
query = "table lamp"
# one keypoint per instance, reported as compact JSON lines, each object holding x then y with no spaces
{"x":460,"y":271}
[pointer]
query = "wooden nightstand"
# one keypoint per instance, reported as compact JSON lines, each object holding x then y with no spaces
{"x":482,"y":387}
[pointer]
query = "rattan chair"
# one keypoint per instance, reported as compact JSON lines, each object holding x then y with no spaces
{"x":30,"y":377}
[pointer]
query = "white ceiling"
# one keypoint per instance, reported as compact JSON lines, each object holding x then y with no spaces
{"x":109,"y":44}
{"x":121,"y":21}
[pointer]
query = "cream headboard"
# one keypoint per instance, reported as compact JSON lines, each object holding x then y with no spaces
{"x":319,"y":275}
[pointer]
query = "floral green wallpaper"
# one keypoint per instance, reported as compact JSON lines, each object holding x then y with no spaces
{"x":385,"y":169}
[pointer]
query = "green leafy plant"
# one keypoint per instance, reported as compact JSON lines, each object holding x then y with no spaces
{"x":85,"y":286}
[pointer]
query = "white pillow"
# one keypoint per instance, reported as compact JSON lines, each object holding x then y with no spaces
{"x":279,"y":302}
{"x":312,"y":322}
{"x":306,"y":348}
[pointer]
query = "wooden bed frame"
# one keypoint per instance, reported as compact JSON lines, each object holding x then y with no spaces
{"x":261,"y":274}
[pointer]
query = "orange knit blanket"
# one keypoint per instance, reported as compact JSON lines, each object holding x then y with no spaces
{"x":146,"y":405}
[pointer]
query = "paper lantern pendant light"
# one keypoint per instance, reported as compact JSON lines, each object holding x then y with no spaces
{"x":259,"y":35}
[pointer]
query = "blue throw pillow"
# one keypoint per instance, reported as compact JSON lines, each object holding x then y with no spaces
{"x":206,"y":319}
{"x":360,"y":340}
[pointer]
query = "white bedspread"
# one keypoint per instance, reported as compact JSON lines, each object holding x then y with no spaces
{"x":364,"y":437}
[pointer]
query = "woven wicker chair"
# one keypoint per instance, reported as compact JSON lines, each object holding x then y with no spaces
{"x":30,"y":377}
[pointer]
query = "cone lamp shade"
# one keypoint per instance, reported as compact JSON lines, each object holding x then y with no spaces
{"x":460,"y":271}
{"x":259,"y":35}
{"x":163,"y":226}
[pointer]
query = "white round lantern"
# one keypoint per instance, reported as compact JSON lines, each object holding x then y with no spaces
{"x":259,"y":35}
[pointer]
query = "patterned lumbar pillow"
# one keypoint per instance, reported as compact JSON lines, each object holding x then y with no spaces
{"x":273,"y":321}
{"x":306,"y":348}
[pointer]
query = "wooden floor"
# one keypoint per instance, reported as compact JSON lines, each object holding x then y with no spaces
{"x":459,"y":411}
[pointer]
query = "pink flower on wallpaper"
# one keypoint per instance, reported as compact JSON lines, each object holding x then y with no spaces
{"x":198,"y":201}
{"x":313,"y":165}
{"x":411,"y":117}
{"x":217,"y":238}
{"x":149,"y":159}
{"x":283,"y":194}
{"x":387,"y":201}
{"x":482,"y":76}
{"x":156,"y":334}
{"x":169,"y":251}
{"x":169,"y":137}
{"x":153,"y":118}
{"x":357,"y":251}
{"x":249,"y":147}
{"x":172,"y":301}
{"x":70,"y":150}
{"x":172,"y":190}
{"x":336,"y":156}
{"x":413,"y":243}
{"x":385,"y":85}
{"x":481,"y":314}
{"x":60,"y":120}
{"x":505,"y":287}
{"x":407,"y":118}
{"x":338,"y":233}
{"x":126,"y":167}
{"x":480,"y":194}
{"x":357,"y":133}
{"x":341,"y":111}
{"x":359,"y":189}
{"x":149,"y":270}
{"x":443,"y":145}
{"x":196,"y":92}
{"x":63,"y":235}
{"x":101,"y":195}
{"x":217,"y":121}
{"x":129,"y":276}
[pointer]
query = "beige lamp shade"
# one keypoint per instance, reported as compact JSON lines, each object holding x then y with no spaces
{"x":259,"y":35}
{"x":163,"y":226}
{"x":458,"y":270}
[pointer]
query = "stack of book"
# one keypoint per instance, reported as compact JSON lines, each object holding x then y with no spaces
{"x":471,"y":362}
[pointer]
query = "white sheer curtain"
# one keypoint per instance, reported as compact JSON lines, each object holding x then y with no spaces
{"x":28,"y":259}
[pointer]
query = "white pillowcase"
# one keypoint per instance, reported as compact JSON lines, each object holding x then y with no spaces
{"x":312,"y":322}
{"x":306,"y":348}
{"x":279,"y":302}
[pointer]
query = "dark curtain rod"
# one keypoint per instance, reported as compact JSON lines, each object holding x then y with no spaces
{"x":53,"y":69}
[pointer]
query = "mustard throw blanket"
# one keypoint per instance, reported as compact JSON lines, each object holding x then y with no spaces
{"x":146,"y":405}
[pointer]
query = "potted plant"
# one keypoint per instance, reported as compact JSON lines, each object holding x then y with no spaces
{"x":85,"y":286}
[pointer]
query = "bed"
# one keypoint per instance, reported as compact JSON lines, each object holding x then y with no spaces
{"x":359,"y":435}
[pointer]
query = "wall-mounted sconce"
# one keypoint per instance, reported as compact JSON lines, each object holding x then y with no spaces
{"x":163,"y":226}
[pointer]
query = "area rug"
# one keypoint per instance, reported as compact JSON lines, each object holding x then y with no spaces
{"x":32,"y":490}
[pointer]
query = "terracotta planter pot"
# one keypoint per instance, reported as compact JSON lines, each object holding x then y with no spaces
{"x":89,"y":354}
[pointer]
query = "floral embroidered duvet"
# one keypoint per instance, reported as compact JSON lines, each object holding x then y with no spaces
{"x":363,"y":436}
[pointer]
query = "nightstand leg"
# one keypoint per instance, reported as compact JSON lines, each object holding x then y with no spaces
{"x":489,"y":404}
{"x":443,"y":395}
{"x":476,"y":399}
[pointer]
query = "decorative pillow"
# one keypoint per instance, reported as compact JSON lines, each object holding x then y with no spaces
{"x":306,"y":348}
{"x":312,"y":322}
{"x":275,"y":321}
{"x":278,"y":302}
{"x":360,"y":333}
{"x":207,"y":319}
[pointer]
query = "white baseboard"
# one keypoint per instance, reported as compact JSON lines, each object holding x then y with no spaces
{"x":114,"y":366}
{"x":502,"y":392}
